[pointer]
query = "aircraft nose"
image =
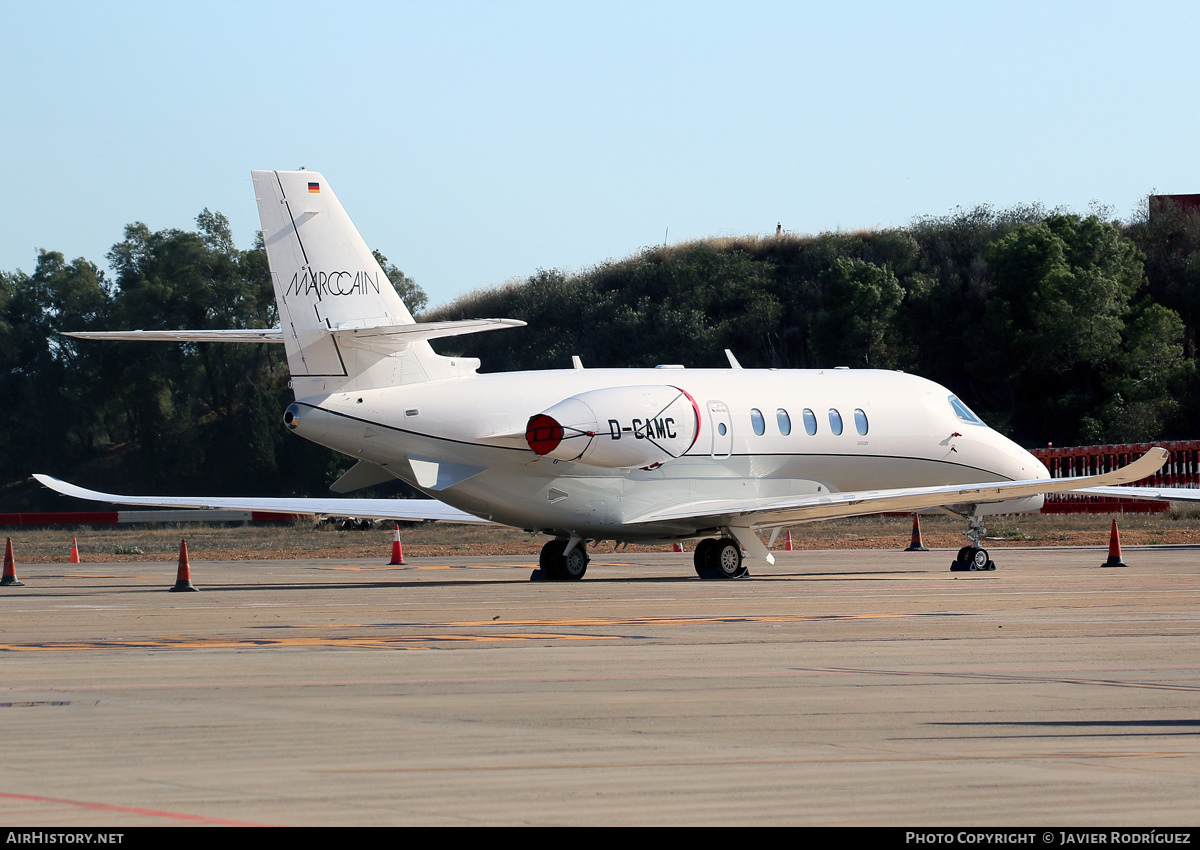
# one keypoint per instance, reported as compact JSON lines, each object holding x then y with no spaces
{"x":1043,"y":473}
{"x":1024,"y":466}
{"x":1011,"y":461}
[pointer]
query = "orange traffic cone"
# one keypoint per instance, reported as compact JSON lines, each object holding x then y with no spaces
{"x":1114,"y":549}
{"x":677,"y":547}
{"x":916,"y":545}
{"x":787,"y":542}
{"x":10,"y":568}
{"x":74,"y":552}
{"x":397,"y":550}
{"x":183,"y":581}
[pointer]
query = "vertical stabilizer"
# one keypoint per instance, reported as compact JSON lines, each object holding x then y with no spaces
{"x":327,"y":280}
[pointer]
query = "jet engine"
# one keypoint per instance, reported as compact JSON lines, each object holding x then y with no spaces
{"x":618,"y":428}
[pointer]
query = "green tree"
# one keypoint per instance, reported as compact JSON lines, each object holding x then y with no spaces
{"x":190,"y":408}
{"x":1055,"y":322}
{"x":856,"y":324}
{"x":56,"y":406}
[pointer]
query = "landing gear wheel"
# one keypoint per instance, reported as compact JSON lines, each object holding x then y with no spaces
{"x":700,"y":557}
{"x":575,"y":564}
{"x":980,"y":560}
{"x":725,"y":557}
{"x":972,"y":559}
{"x":559,"y":567}
{"x":550,"y":555}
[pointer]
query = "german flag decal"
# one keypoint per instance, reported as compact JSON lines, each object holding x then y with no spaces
{"x":314,"y":188}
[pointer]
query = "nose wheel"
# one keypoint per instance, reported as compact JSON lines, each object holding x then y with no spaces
{"x":973,"y":558}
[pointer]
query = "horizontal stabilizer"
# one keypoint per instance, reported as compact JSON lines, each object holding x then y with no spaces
{"x":234,"y":335}
{"x":427,"y":330}
{"x":773,"y":511}
{"x":397,"y":509}
{"x":397,"y":332}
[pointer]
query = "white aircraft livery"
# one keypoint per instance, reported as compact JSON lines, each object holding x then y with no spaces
{"x":590,"y":455}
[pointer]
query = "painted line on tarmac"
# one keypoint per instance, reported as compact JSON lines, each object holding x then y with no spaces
{"x":768,"y":762}
{"x":414,"y":568}
{"x":474,"y":680}
{"x":106,"y":807}
{"x":995,"y":677}
{"x":619,"y":621}
{"x":399,"y":642}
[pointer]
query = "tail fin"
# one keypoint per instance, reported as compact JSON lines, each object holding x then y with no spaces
{"x":344,"y":326}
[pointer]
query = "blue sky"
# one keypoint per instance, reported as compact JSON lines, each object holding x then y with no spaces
{"x":477,"y":142}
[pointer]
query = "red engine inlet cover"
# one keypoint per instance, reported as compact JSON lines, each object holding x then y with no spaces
{"x":543,"y":434}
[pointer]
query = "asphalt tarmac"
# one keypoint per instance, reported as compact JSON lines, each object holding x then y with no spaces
{"x":833,"y":688}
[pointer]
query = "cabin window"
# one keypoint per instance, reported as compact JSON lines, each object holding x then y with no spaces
{"x":810,"y":422}
{"x":860,"y":422}
{"x":757,"y":421}
{"x":785,"y":421}
{"x":835,"y":422}
{"x":963,"y":412}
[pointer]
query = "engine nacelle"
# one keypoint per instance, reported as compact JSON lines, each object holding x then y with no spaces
{"x":618,"y":428}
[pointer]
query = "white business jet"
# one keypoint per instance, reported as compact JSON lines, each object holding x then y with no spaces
{"x":587,"y":455}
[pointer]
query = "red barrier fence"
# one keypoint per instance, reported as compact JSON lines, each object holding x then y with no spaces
{"x":114,"y":518}
{"x":1182,"y":469}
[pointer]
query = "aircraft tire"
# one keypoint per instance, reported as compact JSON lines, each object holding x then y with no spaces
{"x":550,"y":559}
{"x":979,"y":559}
{"x":700,"y":557}
{"x":575,"y":564}
{"x":558,"y":567}
{"x":725,"y":558}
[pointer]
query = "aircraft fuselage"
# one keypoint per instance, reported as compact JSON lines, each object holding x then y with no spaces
{"x":740,"y":434}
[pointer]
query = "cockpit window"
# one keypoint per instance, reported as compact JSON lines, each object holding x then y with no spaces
{"x":963,"y":412}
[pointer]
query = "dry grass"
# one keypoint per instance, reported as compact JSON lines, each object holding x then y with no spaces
{"x":303,"y":540}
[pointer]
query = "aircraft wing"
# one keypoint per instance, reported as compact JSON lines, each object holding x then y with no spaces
{"x":1155,"y":494}
{"x":397,"y":509}
{"x":773,"y":511}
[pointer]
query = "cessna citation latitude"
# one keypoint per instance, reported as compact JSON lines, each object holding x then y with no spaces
{"x":587,"y":455}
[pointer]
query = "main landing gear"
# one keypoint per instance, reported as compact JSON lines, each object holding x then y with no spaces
{"x":719,"y":558}
{"x":558,"y":566}
{"x":973,"y":558}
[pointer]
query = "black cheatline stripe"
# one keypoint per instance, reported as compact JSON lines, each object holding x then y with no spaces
{"x":776,"y":454}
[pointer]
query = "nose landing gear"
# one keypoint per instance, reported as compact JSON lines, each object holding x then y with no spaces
{"x":973,"y":558}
